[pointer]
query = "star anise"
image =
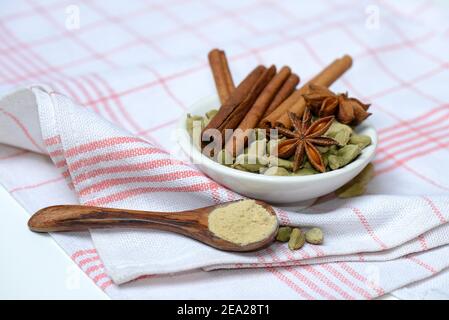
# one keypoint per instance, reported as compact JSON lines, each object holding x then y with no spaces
{"x":304,"y":139}
{"x":324,"y":102}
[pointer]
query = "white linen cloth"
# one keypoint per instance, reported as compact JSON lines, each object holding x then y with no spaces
{"x":395,"y":235}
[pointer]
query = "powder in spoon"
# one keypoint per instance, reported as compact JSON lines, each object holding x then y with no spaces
{"x":242,"y":222}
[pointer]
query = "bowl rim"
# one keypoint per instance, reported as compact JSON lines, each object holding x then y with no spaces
{"x":187,"y":146}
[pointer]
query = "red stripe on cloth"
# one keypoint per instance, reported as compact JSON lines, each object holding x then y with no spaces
{"x":106,"y":284}
{"x":22,"y":128}
{"x":424,"y":178}
{"x":119,"y":23}
{"x":360,"y":277}
{"x":393,"y":9}
{"x":400,"y":162}
{"x":393,"y":154}
{"x":150,"y":84}
{"x":31,"y":59}
{"x":52,"y":38}
{"x":117,"y":99}
{"x":56,"y":153}
{"x":102,"y":143}
{"x":313,"y":270}
{"x":20,"y":62}
{"x":43,"y":12}
{"x":196,"y":69}
{"x":415,"y":137}
{"x":26,"y":12}
{"x":385,"y":69}
{"x":81,"y":87}
{"x":100,"y":276}
{"x":283,"y":217}
{"x":283,"y":278}
{"x":83,"y":252}
{"x":113,"y":156}
{"x":92,"y":269}
{"x":421,"y":39}
{"x":148,"y":165}
{"x":414,"y":45}
{"x":297,"y":274}
{"x":422,"y":264}
{"x":329,"y":268}
{"x":435,"y":209}
{"x":368,"y":228}
{"x":158,"y":127}
{"x":419,"y":78}
{"x":167,"y":88}
{"x":52,"y":140}
{"x":138,"y":191}
{"x":98,"y":93}
{"x":184,"y":26}
{"x":330,"y":284}
{"x":88,"y":260}
{"x":109,"y":183}
{"x":423,"y":243}
{"x":410,"y":122}
{"x":396,"y":132}
{"x":62,"y":164}
{"x":108,"y":107}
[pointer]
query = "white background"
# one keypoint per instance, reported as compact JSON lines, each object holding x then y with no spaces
{"x":24,"y":274}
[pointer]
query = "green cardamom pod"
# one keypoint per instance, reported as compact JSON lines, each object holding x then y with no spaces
{"x":258,"y":148}
{"x":325,"y":157}
{"x":340,"y":133}
{"x":314,"y":236}
{"x":307,"y":165}
{"x":191,"y":121}
{"x":323,"y":150}
{"x":344,"y":156}
{"x":333,"y":162}
{"x":239,"y":167}
{"x":272,"y":146}
{"x":297,"y":239}
{"x":276,"y":171}
{"x":357,"y":186}
{"x":262,"y":170}
{"x":278,"y":162}
{"x":205,"y":122}
{"x":304,"y":172}
{"x":284,"y":234}
{"x":210,"y":114}
{"x":251,"y":162}
{"x":225,"y":157}
{"x":333,"y":150}
{"x":361,"y":140}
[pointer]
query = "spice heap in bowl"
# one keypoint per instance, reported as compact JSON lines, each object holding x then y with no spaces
{"x":268,"y":127}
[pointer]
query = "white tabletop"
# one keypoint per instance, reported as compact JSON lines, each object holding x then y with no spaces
{"x":23,"y":272}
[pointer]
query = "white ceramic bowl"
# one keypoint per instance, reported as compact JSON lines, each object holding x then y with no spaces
{"x":273,"y":189}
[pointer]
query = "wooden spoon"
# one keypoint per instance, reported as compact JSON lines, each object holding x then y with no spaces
{"x":191,"y":223}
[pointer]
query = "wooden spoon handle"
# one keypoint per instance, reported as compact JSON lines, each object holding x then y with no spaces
{"x":78,"y":218}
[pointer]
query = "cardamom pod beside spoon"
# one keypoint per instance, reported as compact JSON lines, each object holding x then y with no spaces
{"x":190,"y":223}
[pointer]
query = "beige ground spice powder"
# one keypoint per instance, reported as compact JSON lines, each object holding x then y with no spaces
{"x":243,"y":222}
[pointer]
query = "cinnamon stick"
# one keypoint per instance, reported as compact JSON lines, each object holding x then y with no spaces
{"x":296,"y":103}
{"x":221,"y":73}
{"x":252,"y":118}
{"x":284,"y":92}
{"x":240,"y":101}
